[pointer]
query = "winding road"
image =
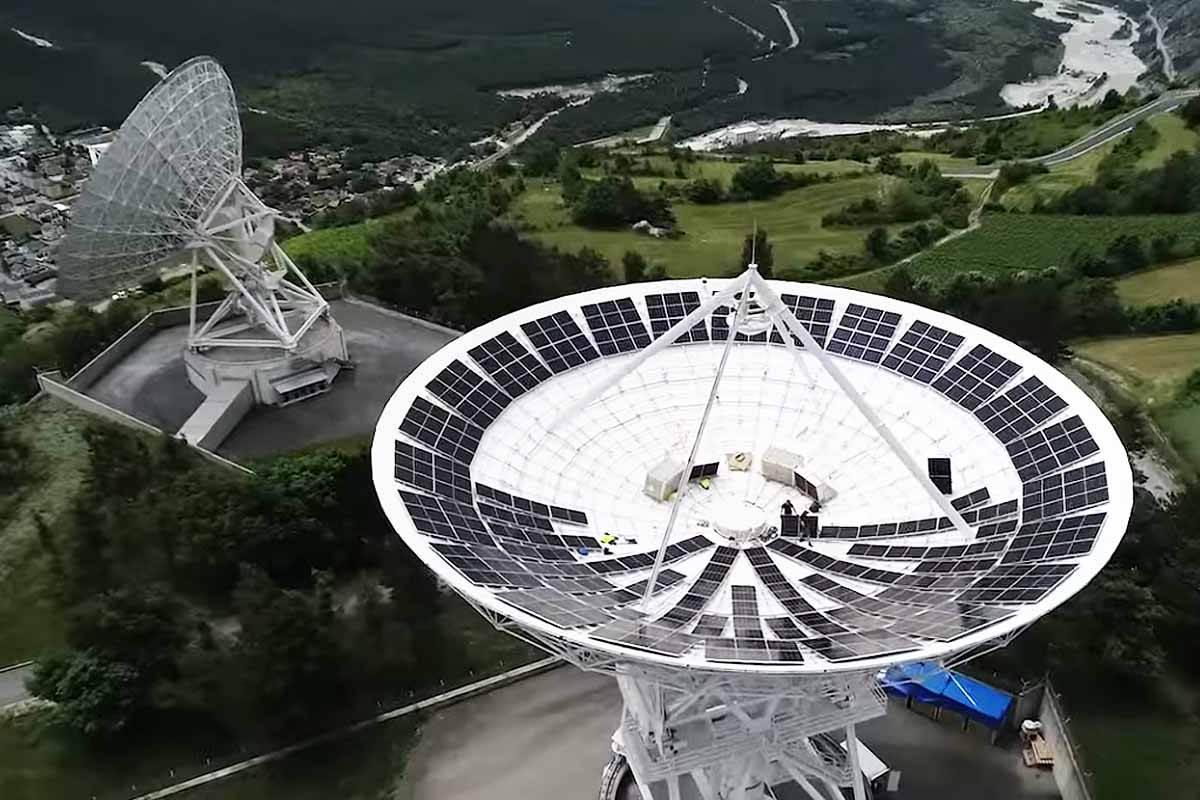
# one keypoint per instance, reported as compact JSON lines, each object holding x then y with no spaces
{"x":787,"y":20}
{"x":1098,"y":138}
{"x":12,"y":683}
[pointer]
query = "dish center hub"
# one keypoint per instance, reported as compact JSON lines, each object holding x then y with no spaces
{"x":739,"y":520}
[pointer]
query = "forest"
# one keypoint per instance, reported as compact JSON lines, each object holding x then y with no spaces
{"x":422,"y":76}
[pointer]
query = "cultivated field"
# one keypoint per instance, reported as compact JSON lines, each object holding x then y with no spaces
{"x":1013,"y":242}
{"x":1179,"y":281}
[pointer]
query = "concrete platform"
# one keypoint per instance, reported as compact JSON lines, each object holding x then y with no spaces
{"x":548,"y":737}
{"x":151,"y":384}
{"x":385,"y":348}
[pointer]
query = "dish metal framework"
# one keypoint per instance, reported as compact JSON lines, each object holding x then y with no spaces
{"x":170,"y":184}
{"x":698,"y":724}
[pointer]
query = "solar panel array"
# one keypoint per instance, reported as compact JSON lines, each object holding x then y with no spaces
{"x":671,"y":308}
{"x":889,"y":593}
{"x":922,"y":351}
{"x":616,"y":326}
{"x":864,"y":333}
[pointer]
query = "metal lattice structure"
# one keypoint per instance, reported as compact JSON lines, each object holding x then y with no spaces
{"x":171,"y":184}
{"x":614,"y":477}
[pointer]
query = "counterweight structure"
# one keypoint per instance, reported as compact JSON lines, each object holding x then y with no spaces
{"x":859,"y":483}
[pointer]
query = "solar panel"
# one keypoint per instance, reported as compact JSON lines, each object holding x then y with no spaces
{"x":510,"y":364}
{"x":814,"y":313}
{"x":560,"y":342}
{"x":442,"y":430}
{"x":616,"y":326}
{"x":704,"y":470}
{"x":1020,"y":409}
{"x":825,"y":563}
{"x":674,"y":552}
{"x":556,"y":607}
{"x":864,"y":333}
{"x":746,"y":622}
{"x":670,"y":308}
{"x":1064,"y":492}
{"x":701,"y":591}
{"x":1067,"y":537}
{"x":975,"y":377}
{"x":445,"y":519}
{"x":486,"y":566}
{"x":922,"y":351}
{"x":1052,"y":448}
{"x":710,"y":626}
{"x":1012,"y":584}
{"x":971,"y":500}
{"x":469,"y":393}
{"x":432,"y":472}
{"x":940,"y":475}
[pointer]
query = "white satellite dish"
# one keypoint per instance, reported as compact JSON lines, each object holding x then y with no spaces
{"x":952,"y":489}
{"x":171,"y":182}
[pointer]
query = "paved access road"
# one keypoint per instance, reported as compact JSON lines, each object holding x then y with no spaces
{"x":12,"y":685}
{"x":1114,"y":129}
{"x":548,"y":737}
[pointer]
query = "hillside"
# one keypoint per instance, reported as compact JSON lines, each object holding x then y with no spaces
{"x":1180,"y":21}
{"x":424,"y":75}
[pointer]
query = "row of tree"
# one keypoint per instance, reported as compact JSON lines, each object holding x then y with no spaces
{"x":919,"y":193}
{"x":261,"y":602}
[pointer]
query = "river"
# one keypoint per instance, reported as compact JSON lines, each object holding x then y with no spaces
{"x":1093,"y":60}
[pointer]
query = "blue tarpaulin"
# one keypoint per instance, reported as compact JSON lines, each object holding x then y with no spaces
{"x":927,"y":682}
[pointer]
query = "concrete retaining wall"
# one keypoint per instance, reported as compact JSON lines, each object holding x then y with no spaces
{"x":1068,"y":775}
{"x":52,"y":385}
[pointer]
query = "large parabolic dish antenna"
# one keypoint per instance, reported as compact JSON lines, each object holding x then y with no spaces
{"x":608,"y":475}
{"x":170,"y":187}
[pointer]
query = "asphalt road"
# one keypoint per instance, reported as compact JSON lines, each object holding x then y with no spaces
{"x":1097,"y":138}
{"x":12,"y":685}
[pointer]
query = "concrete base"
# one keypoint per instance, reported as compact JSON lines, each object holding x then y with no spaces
{"x":263,"y":368}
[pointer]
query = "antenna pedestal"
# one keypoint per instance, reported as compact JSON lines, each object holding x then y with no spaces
{"x":273,"y":328}
{"x":728,"y":737}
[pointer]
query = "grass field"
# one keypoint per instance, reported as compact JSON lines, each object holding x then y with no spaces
{"x":1013,"y":242}
{"x":1141,"y":751}
{"x":342,"y":247}
{"x":54,"y":434}
{"x":1163,"y":284}
{"x":1154,"y":366}
{"x":946,"y":162}
{"x":723,"y":169}
{"x":713,"y":241}
{"x":1061,"y":178}
{"x":1173,"y":136}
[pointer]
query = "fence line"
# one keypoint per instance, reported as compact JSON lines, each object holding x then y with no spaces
{"x":1052,"y":702}
{"x":437,"y":701}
